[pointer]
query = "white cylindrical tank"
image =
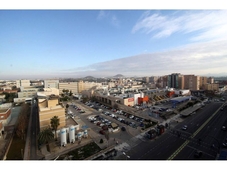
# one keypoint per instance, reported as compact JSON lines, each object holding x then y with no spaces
{"x":72,"y":134}
{"x":63,"y":137}
{"x":85,"y":133}
{"x":79,"y":135}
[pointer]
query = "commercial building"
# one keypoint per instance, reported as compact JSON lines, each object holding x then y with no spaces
{"x":27,"y":92}
{"x":51,"y":83}
{"x":49,"y":108}
{"x":87,"y":85}
{"x":71,"y":86}
{"x":174,"y":81}
{"x":24,"y":83}
{"x":48,"y":92}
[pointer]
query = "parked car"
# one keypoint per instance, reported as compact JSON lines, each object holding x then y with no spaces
{"x":184,"y":127}
{"x":131,"y":117}
{"x":223,"y":128}
{"x":102,"y":132}
{"x":224,"y":144}
{"x":123,"y":128}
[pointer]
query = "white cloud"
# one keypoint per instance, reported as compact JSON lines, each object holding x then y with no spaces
{"x":207,"y":25}
{"x":102,"y":14}
{"x":115,"y":21}
{"x":111,"y":18}
{"x":198,"y":58}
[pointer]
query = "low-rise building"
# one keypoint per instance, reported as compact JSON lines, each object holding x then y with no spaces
{"x":49,"y":108}
{"x":71,"y":86}
{"x":5,"y":115}
{"x":211,"y":87}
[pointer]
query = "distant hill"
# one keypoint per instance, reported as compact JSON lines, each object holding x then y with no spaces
{"x":118,"y":75}
{"x":89,"y":77}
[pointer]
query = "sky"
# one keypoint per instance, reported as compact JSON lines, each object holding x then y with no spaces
{"x":73,"y":43}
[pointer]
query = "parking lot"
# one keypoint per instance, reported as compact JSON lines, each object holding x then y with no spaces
{"x":100,"y":118}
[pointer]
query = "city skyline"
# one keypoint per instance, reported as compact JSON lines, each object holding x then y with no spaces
{"x":102,"y":43}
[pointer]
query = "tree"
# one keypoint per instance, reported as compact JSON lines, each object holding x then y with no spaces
{"x":23,"y":121}
{"x":70,"y":93}
{"x":55,"y":122}
{"x":14,"y":88}
{"x":115,"y":106}
{"x":45,"y":136}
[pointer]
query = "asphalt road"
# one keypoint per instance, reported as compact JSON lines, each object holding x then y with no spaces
{"x":210,"y":134}
{"x":33,"y":132}
{"x":204,"y":125}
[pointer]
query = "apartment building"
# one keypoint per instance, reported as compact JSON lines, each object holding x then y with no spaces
{"x":203,"y":81}
{"x":49,"y":108}
{"x":145,"y":79}
{"x":71,"y":86}
{"x":191,"y":82}
{"x":210,"y":80}
{"x":212,"y":87}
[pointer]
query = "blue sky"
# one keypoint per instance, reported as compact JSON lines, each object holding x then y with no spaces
{"x":79,"y":43}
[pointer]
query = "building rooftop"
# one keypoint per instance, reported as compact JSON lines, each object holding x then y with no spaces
{"x":3,"y":110}
{"x":51,"y":108}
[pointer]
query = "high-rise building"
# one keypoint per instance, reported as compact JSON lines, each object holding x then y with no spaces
{"x":173,"y":80}
{"x":191,"y":82}
{"x":210,"y":80}
{"x":203,"y":81}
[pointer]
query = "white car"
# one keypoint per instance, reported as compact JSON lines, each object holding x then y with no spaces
{"x":131,"y":117}
{"x":184,"y":127}
{"x":119,"y":119}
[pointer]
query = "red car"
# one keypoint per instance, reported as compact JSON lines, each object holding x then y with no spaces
{"x":102,"y":132}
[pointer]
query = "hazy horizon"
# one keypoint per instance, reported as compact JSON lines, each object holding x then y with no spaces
{"x":42,"y":44}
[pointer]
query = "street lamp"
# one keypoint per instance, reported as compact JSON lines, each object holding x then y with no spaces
{"x":127,"y":156}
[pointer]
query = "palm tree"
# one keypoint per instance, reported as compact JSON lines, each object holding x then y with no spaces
{"x":45,"y":136}
{"x":54,"y":122}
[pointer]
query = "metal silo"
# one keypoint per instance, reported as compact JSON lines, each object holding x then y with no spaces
{"x":63,"y":137}
{"x":72,"y":134}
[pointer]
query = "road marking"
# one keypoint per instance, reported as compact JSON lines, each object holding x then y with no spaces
{"x":193,"y":135}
